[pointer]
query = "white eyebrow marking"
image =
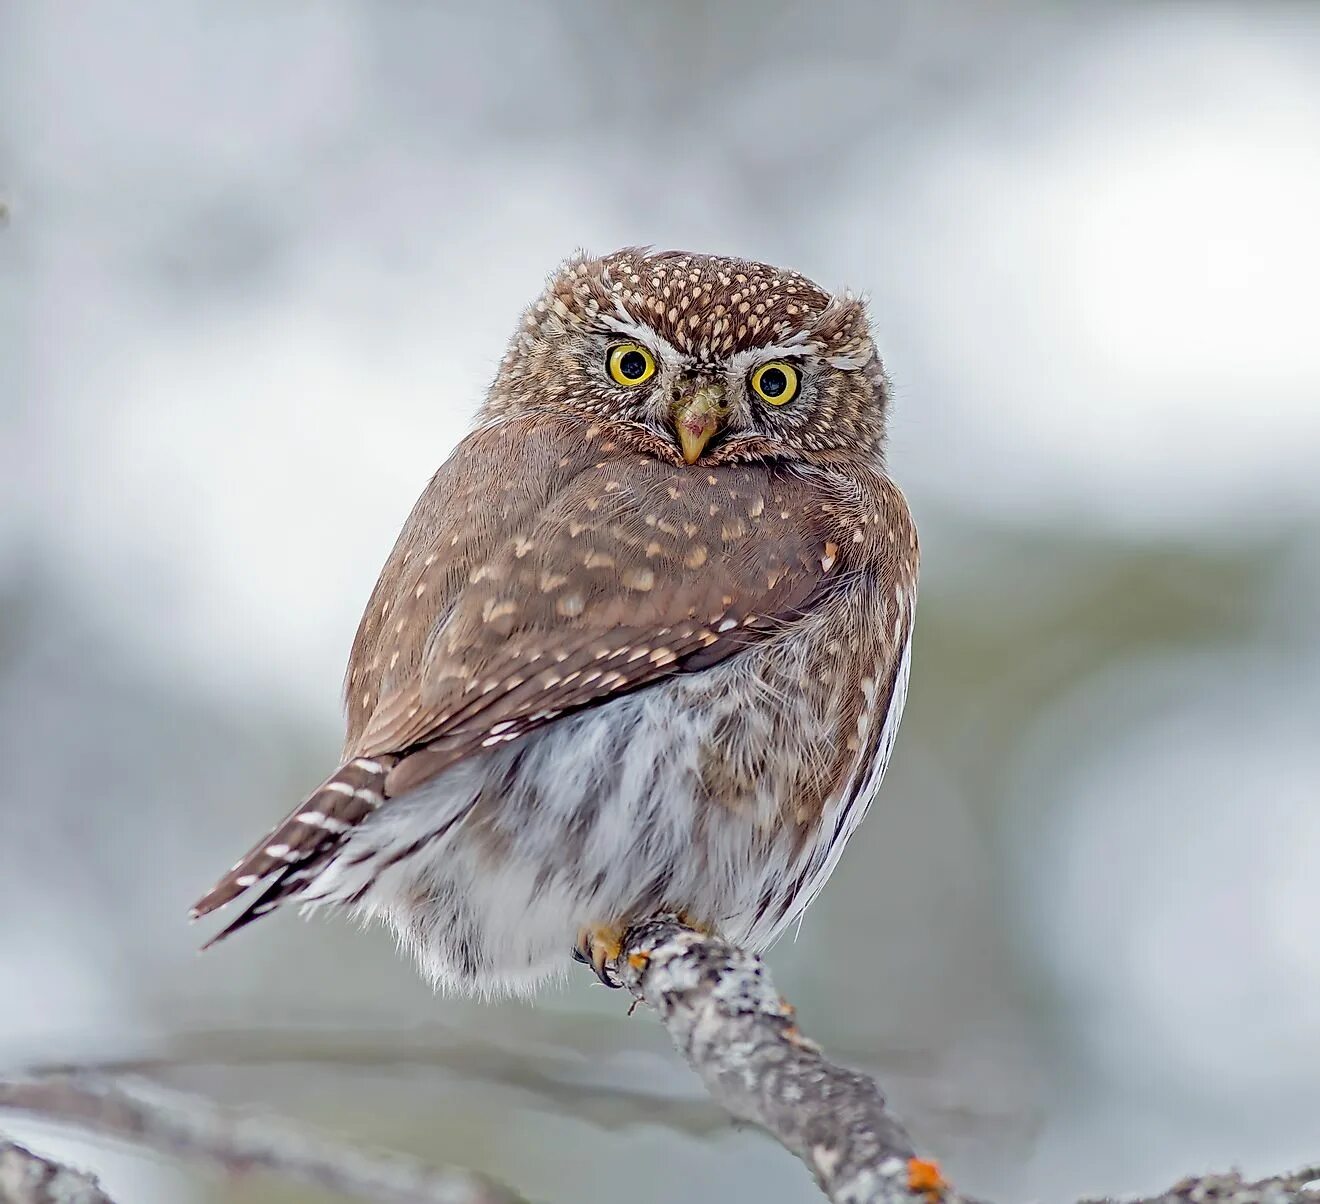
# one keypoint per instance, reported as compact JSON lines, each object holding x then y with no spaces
{"x":639,"y":332}
{"x":742,"y":362}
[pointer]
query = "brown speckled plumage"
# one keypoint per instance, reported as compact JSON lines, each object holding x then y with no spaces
{"x":726,"y":632}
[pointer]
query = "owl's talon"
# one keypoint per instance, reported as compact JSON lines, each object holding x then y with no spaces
{"x":598,"y":946}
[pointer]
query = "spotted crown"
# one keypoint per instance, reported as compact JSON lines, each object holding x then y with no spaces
{"x":714,"y":312}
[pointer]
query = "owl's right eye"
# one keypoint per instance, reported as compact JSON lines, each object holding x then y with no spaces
{"x":630,"y":364}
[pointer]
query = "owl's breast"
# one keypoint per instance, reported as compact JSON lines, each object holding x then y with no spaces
{"x":785,"y":729}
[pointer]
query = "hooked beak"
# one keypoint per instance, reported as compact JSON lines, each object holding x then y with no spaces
{"x":697,"y":417}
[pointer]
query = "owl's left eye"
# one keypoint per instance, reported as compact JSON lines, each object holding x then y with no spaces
{"x":630,"y":364}
{"x":776,"y":382}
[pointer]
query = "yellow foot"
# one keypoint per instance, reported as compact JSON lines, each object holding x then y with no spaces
{"x":598,"y":945}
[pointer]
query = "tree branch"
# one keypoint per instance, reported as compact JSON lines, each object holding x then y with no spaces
{"x":727,"y":1020}
{"x":184,"y":1126}
{"x":734,"y":1030}
{"x":28,"y":1178}
{"x":723,"y":1014}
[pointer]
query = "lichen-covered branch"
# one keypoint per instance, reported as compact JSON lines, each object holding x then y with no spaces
{"x":723,"y":1014}
{"x":28,"y":1178}
{"x":727,"y":1020}
{"x":187,"y":1127}
{"x":1232,"y":1188}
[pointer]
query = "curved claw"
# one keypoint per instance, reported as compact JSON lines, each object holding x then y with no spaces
{"x":598,"y":946}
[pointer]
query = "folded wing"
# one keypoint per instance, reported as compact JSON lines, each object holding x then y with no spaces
{"x":511,"y":601}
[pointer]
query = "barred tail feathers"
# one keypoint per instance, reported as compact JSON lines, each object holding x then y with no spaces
{"x":297,"y":849}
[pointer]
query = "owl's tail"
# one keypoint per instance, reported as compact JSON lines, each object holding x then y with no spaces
{"x":300,"y":847}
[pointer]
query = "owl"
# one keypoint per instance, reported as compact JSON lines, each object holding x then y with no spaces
{"x":642,"y":645}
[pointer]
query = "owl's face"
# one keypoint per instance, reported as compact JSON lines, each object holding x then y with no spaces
{"x":726,"y":359}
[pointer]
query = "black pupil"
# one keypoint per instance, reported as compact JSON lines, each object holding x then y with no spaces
{"x":632,"y":365}
{"x":773,"y":382}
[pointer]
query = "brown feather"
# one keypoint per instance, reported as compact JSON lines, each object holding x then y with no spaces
{"x":636,"y":569}
{"x":565,"y":554}
{"x":319,"y":823}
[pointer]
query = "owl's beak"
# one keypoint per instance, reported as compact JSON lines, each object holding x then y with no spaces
{"x":696,"y":419}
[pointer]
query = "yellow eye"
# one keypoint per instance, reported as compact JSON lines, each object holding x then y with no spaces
{"x":776,"y":382}
{"x":630,"y":364}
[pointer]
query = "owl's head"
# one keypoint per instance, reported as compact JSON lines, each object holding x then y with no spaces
{"x":728,"y":360}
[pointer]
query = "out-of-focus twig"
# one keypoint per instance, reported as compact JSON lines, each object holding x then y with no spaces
{"x":581,"y":1065}
{"x":555,"y":1078}
{"x":28,"y":1178}
{"x":727,"y":1020}
{"x":185,"y":1126}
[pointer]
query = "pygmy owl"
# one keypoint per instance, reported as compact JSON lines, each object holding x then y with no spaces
{"x":641,"y":646}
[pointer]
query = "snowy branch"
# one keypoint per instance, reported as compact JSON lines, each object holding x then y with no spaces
{"x":734,"y":1030}
{"x":723,"y":1014}
{"x":28,"y":1178}
{"x":187,"y":1127}
{"x":727,"y":1020}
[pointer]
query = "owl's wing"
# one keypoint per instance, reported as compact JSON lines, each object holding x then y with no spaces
{"x":494,"y":485}
{"x":636,"y":571}
{"x":628,"y":571}
{"x":496,"y":482}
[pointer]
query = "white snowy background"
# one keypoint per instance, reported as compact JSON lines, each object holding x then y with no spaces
{"x":260,"y":261}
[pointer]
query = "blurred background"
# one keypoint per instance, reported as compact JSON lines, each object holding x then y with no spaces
{"x":259,"y":263}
